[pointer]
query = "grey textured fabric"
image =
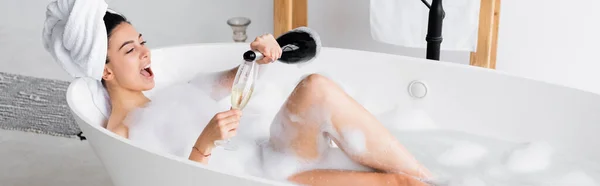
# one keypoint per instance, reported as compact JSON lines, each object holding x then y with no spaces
{"x":36,"y":105}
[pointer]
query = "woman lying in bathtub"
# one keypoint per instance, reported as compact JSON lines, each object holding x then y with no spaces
{"x":125,"y":77}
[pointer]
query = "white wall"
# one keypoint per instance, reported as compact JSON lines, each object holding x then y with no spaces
{"x":163,"y":23}
{"x":552,"y":41}
{"x":345,"y":24}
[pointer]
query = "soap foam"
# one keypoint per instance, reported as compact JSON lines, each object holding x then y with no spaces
{"x":280,"y":164}
{"x":462,"y":154}
{"x":467,"y":181}
{"x":335,"y":158}
{"x":355,"y":142}
{"x":214,"y":84}
{"x":174,"y":132}
{"x":244,"y":161}
{"x":530,"y":157}
{"x":498,"y":172}
{"x":578,"y":178}
{"x":281,"y":133}
{"x":413,"y":119}
{"x":294,"y":118}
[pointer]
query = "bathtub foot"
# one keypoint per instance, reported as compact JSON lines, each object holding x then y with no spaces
{"x":81,"y":137}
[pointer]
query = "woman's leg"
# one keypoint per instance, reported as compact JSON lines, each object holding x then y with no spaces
{"x":318,"y":107}
{"x":349,"y":178}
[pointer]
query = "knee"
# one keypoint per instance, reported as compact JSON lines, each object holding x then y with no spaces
{"x":316,"y":81}
{"x":314,"y":88}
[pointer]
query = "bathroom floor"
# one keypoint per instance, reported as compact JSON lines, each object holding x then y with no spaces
{"x":29,"y":159}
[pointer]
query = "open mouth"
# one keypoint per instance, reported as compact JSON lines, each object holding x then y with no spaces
{"x":147,"y":72}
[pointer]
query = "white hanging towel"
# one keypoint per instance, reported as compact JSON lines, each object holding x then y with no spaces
{"x":404,"y":23}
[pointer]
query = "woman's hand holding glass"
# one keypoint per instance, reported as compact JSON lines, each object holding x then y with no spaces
{"x":222,"y":126}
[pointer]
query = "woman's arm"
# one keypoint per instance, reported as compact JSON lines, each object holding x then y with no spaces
{"x":340,"y":177}
{"x":202,"y":150}
{"x":219,"y":84}
{"x":227,"y":77}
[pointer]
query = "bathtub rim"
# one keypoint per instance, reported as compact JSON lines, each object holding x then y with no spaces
{"x":410,"y":59}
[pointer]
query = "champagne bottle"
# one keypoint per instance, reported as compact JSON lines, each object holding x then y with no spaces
{"x":299,"y":45}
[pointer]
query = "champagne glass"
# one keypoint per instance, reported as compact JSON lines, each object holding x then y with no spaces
{"x":241,"y":91}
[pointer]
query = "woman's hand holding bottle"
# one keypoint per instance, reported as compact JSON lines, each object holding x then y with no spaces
{"x":268,"y":46}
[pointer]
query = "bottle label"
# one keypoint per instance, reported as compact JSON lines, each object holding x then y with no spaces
{"x":289,"y":47}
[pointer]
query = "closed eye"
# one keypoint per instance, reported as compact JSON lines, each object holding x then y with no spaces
{"x":131,"y":50}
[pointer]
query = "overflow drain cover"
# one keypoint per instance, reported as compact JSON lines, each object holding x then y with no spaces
{"x":417,"y":89}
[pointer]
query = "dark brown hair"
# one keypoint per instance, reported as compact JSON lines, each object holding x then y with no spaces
{"x":111,"y":21}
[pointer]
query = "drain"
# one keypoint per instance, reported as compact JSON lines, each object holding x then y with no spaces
{"x":417,"y":89}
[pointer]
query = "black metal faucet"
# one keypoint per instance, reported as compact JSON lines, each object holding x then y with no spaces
{"x":434,"y":29}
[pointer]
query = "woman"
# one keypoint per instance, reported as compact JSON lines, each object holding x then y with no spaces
{"x":126,"y":76}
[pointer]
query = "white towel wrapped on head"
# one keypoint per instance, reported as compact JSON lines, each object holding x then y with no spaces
{"x":75,"y":35}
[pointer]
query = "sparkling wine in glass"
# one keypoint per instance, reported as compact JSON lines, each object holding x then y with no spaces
{"x":241,"y":91}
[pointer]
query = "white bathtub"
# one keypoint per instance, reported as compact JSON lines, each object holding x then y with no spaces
{"x":458,"y":97}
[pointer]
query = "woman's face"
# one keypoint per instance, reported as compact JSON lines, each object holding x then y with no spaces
{"x":128,"y":60}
